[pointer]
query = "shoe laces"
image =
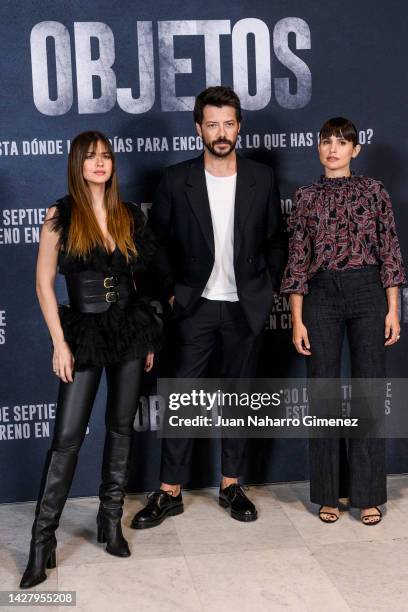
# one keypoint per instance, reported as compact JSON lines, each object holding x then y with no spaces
{"x":154,"y":496}
{"x":238,"y":490}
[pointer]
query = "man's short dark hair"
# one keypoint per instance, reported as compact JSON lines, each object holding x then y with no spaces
{"x":216,"y":96}
{"x":340,"y":127}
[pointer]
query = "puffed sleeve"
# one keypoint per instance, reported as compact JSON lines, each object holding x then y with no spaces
{"x":60,"y":220}
{"x":392,"y":270}
{"x":300,"y":249}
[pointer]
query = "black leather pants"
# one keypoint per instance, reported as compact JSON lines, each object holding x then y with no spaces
{"x":75,"y":401}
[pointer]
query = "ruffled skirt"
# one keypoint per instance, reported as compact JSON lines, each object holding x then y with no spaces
{"x":112,"y":336}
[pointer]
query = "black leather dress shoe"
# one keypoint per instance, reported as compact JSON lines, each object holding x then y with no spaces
{"x":242,"y":509}
{"x":160,"y":505}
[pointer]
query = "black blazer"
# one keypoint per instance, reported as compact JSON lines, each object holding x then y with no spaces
{"x":181,"y":220}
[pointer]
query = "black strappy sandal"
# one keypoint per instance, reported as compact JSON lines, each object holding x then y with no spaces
{"x":327,"y":520}
{"x":369,"y":516}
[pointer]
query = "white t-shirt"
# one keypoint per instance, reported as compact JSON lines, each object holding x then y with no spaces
{"x":221,"y":193}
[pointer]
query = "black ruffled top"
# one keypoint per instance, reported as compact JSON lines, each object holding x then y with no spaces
{"x":118,"y":334}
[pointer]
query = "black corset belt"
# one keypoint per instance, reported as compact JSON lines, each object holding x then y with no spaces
{"x":93,"y":292}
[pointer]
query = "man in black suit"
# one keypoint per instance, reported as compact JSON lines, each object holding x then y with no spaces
{"x":221,"y":255}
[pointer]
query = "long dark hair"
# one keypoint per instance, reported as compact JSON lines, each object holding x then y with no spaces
{"x":84,"y":232}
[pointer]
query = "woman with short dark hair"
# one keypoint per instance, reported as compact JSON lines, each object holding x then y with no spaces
{"x":99,"y":244}
{"x":343,"y":274}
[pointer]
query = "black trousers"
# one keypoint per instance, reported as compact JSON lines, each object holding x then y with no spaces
{"x":75,"y":402}
{"x":351,"y":301}
{"x":212,"y":323}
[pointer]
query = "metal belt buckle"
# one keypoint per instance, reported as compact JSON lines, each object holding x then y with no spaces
{"x":112,"y":296}
{"x":109,"y":282}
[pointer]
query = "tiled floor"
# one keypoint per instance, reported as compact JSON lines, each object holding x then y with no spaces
{"x":203,"y":560}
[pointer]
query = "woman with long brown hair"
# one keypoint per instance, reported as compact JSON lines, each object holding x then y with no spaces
{"x":100,"y":244}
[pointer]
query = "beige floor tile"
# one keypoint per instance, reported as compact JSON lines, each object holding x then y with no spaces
{"x":264,"y":580}
{"x":394,"y":524}
{"x":77,"y":535}
{"x":16,"y":514}
{"x":371,"y":576}
{"x":13,"y":562}
{"x":286,"y":560}
{"x":271,"y":530}
{"x":264,"y":497}
{"x":134,"y":585}
{"x":304,"y":517}
{"x":200,"y":504}
{"x":397,"y":488}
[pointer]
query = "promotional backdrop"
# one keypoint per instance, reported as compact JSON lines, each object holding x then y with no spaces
{"x":132,"y":70}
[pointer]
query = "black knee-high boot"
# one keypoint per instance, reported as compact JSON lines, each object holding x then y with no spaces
{"x":112,"y":493}
{"x":55,"y":485}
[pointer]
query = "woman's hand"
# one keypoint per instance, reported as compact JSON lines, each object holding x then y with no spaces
{"x":392,"y":328}
{"x":63,"y":362}
{"x":300,"y":338}
{"x":149,"y":362}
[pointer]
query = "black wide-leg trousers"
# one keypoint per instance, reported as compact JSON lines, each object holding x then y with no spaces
{"x":213,"y":323}
{"x":351,"y":301}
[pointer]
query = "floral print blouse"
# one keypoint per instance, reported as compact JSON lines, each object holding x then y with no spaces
{"x":338,"y":224}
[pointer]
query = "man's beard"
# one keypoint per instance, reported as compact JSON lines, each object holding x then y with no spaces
{"x":211,"y":146}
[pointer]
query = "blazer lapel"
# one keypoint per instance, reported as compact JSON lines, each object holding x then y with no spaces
{"x":244,"y":194}
{"x":196,"y":189}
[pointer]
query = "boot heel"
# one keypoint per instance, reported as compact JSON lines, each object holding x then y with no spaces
{"x":101,"y":536}
{"x":52,"y":560}
{"x":223,"y":503}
